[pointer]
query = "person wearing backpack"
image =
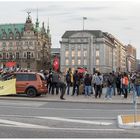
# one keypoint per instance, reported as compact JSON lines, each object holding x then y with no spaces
{"x":125,"y":83}
{"x":98,"y":84}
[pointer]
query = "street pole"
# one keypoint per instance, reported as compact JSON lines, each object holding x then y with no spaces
{"x":84,"y":18}
{"x":135,"y":104}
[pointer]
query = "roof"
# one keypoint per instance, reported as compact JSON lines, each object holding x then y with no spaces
{"x":97,"y":33}
{"x":11,"y":28}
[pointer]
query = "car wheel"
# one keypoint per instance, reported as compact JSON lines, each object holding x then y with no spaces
{"x":31,"y":92}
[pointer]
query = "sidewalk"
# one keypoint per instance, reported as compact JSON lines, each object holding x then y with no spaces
{"x":75,"y":99}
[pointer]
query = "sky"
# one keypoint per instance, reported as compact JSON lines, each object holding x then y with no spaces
{"x":121,"y":18}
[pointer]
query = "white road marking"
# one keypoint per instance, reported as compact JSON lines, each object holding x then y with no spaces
{"x":76,"y":121}
{"x":19,"y":124}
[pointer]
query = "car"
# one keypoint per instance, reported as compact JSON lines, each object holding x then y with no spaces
{"x":31,"y":83}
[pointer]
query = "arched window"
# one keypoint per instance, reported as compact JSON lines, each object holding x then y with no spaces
{"x":11,"y":35}
{"x":17,"y":35}
{"x":4,"y":35}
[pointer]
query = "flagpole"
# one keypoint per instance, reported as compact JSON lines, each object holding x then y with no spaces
{"x":84,"y":18}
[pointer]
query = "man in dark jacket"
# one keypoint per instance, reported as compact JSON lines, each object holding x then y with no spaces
{"x":76,"y":83}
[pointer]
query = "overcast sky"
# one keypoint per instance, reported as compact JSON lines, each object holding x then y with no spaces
{"x":120,"y":18}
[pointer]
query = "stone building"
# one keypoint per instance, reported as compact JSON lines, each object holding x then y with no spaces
{"x":131,"y":58}
{"x":27,"y":44}
{"x":91,"y":49}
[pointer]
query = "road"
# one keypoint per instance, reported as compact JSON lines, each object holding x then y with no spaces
{"x":32,"y":119}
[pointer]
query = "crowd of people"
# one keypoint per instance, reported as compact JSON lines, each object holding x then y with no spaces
{"x":86,"y":84}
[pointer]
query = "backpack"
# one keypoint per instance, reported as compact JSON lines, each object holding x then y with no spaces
{"x":125,"y":81}
{"x":68,"y":78}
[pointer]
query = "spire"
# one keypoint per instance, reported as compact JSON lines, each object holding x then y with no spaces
{"x":28,"y":19}
{"x":48,"y":28}
{"x":37,"y":22}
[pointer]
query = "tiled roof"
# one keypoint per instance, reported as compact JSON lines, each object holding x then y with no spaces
{"x":11,"y":28}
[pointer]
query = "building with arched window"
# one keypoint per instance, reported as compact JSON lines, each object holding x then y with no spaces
{"x":27,"y":44}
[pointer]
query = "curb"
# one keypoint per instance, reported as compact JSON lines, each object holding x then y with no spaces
{"x":37,"y":99}
{"x":128,"y":125}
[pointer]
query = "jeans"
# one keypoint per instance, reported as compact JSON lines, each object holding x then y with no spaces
{"x":109,"y":92}
{"x":68,"y":88}
{"x":87,"y":90}
{"x":137,"y":88}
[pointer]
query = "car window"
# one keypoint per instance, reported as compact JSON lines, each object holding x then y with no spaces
{"x":25,"y":77}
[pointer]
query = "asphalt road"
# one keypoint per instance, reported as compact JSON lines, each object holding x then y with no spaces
{"x":30,"y":119}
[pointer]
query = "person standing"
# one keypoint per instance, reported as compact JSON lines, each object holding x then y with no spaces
{"x":76,"y":82}
{"x":68,"y":81}
{"x":125,"y":85}
{"x":62,"y":85}
{"x":87,"y":83}
{"x":55,"y":80}
{"x":137,"y":84}
{"x":109,"y":87}
{"x":98,"y":85}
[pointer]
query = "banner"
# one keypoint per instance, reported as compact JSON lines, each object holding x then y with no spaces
{"x":8,"y":87}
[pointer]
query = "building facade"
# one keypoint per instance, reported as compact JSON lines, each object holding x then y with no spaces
{"x":131,"y":58}
{"x":119,"y":55}
{"x":27,"y":44}
{"x":91,"y":49}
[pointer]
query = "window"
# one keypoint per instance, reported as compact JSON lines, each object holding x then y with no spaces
{"x":66,"y":54}
{"x":97,"y":61}
{"x":79,"y":62}
{"x":85,"y":62}
{"x":73,"y":62}
{"x":28,"y":55}
{"x":4,"y":55}
{"x":7,"y":55}
{"x":10,"y":44}
{"x":24,"y":54}
{"x":67,"y":62}
{"x":97,"y":53}
{"x":17,"y":55}
{"x":73,"y":53}
{"x":85,"y":53}
{"x":79,"y":53}
{"x":0,"y":55}
{"x":25,"y":77}
{"x":4,"y":44}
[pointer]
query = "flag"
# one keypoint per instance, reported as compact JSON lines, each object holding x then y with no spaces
{"x":8,"y":87}
{"x":56,"y":64}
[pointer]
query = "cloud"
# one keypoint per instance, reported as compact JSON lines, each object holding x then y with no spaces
{"x":97,"y":8}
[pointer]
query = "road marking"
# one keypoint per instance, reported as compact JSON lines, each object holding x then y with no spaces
{"x":19,"y":124}
{"x":76,"y":121}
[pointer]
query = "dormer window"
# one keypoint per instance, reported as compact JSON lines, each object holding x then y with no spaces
{"x":4,"y":35}
{"x":17,"y":35}
{"x":11,"y":35}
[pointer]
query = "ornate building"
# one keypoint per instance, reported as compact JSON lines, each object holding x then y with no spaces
{"x":27,"y":44}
